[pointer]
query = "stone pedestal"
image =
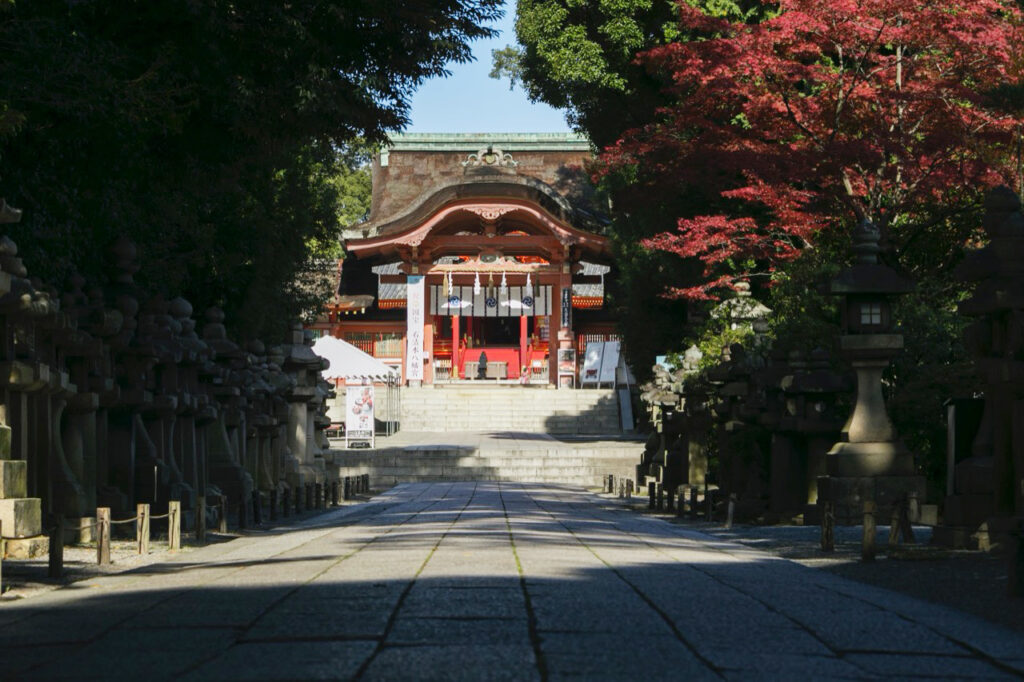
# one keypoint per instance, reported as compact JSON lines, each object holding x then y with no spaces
{"x":21,"y":516}
{"x":871,"y":463}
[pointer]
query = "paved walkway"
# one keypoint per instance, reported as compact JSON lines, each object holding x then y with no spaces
{"x":489,"y":582}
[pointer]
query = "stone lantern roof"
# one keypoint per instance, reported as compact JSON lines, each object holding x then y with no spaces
{"x":866,"y":275}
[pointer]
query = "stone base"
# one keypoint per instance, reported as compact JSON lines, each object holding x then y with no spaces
{"x":26,"y":548}
{"x":13,"y":478}
{"x":854,"y":460}
{"x":305,"y":474}
{"x":80,"y":531}
{"x":848,"y":494}
{"x":21,"y":517}
{"x":812,"y":515}
{"x":993,"y":535}
{"x":968,"y":511}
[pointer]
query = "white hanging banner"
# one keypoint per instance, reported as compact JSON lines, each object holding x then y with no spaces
{"x":414,"y":328}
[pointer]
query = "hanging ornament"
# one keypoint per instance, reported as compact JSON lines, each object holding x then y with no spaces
{"x":504,"y":284}
{"x":529,"y":285}
{"x":476,"y":284}
{"x":446,"y":286}
{"x":490,"y":284}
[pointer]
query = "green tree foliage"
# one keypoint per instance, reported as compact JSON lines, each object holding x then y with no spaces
{"x":580,"y":56}
{"x":207,"y":131}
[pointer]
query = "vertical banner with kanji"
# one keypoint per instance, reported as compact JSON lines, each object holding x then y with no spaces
{"x":566,"y":307}
{"x":414,"y":330}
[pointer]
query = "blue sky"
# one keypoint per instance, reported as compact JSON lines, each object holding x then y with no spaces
{"x":470,"y":102}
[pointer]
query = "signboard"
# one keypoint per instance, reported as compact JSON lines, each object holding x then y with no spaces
{"x":566,"y":367}
{"x":359,"y":415}
{"x":609,"y":363}
{"x":414,"y":328}
{"x":592,"y":363}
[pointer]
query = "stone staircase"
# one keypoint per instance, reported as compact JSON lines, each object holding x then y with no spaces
{"x":502,"y":407}
{"x":581,"y":462}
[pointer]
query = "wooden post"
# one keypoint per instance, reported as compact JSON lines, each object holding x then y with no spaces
{"x":867,"y":550}
{"x":709,"y":506}
{"x":347,"y":492}
{"x":174,"y":525}
{"x":257,"y":508}
{"x":906,"y":515}
{"x":223,"y":528}
{"x":828,"y":528}
{"x":103,"y":536}
{"x":55,"y":563}
{"x":201,"y":519}
{"x":660,"y":492}
{"x":731,"y":510}
{"x":1015,"y":584}
{"x":652,"y":495}
{"x":670,"y":500}
{"x":693,"y":501}
{"x":242,"y":512}
{"x":681,"y":502}
{"x":142,"y":527}
{"x":894,"y":526}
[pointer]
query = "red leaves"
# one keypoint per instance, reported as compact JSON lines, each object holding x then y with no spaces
{"x":830,"y":110}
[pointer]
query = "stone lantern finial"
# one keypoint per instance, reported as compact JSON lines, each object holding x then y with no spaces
{"x":865,"y":242}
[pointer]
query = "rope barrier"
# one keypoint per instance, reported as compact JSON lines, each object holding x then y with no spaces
{"x":132,"y":519}
{"x":160,"y":516}
{"x":26,"y":537}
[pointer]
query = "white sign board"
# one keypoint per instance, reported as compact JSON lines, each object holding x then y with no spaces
{"x":414,"y":328}
{"x":359,"y":414}
{"x":609,"y":362}
{"x":591,"y":373}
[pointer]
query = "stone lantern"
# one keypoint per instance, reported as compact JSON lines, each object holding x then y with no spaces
{"x":869,"y":462}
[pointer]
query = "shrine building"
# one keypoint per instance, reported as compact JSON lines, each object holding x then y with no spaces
{"x":477,"y":243}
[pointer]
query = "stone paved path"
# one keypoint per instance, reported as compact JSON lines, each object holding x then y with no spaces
{"x":489,"y":582}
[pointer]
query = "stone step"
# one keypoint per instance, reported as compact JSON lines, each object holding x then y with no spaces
{"x":510,"y":408}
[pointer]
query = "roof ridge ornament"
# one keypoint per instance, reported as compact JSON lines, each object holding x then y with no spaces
{"x":490,"y":156}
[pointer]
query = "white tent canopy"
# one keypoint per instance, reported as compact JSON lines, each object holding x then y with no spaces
{"x":350,"y":363}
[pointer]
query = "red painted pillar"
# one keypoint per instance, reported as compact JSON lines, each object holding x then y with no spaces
{"x":455,"y":346}
{"x":522,"y":346}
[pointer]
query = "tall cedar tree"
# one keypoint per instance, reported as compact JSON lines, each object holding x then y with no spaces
{"x":829,"y":111}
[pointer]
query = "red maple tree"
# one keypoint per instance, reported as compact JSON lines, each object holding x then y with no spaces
{"x":827,"y":112}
